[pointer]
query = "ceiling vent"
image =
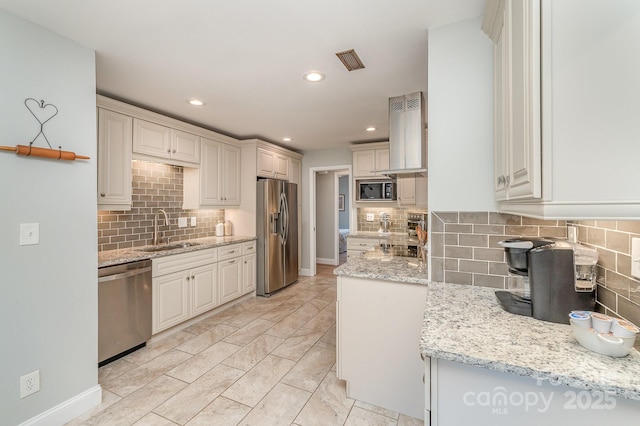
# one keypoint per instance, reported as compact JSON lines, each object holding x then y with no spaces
{"x":350,"y":60}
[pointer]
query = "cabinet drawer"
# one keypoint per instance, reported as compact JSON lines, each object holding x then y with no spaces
{"x":249,"y":247}
{"x":180,"y":262}
{"x":361,"y":243}
{"x":230,"y":251}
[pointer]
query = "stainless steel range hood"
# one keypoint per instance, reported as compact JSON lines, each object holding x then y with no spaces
{"x":407,"y":136}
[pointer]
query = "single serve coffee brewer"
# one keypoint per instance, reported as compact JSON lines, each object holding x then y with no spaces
{"x":548,"y":278}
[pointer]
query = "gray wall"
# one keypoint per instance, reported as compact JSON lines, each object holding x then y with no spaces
{"x":326,"y":232}
{"x":48,"y":301}
{"x":343,"y":188}
{"x":317,"y":158}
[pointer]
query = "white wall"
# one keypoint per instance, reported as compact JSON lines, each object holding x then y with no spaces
{"x":48,"y":292}
{"x":460,"y":118}
{"x":317,"y":158}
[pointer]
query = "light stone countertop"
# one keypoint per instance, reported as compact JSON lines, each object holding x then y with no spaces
{"x":115,"y":257}
{"x":393,"y":238}
{"x":465,"y":324}
{"x":378,"y":266}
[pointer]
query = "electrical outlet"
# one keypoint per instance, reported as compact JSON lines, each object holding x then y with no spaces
{"x":370,"y":217}
{"x":635,"y":257}
{"x":193,"y":221}
{"x":182,"y":222}
{"x":29,"y":383}
{"x":571,"y":233}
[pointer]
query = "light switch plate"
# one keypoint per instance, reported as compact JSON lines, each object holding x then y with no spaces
{"x":29,"y":234}
{"x":182,"y":222}
{"x":635,"y":257}
{"x":193,"y":221}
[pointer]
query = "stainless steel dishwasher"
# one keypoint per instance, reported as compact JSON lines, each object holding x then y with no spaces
{"x":124,"y":309}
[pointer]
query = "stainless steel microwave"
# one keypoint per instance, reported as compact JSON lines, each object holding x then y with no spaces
{"x":375,"y":190}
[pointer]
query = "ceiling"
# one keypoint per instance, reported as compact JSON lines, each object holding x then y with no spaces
{"x":246,"y":59}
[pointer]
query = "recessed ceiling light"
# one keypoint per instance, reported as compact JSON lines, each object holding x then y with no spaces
{"x":371,"y":129}
{"x":196,"y":102}
{"x":286,"y":139}
{"x":313,"y":76}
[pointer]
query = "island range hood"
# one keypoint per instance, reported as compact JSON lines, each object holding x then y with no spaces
{"x":407,"y":136}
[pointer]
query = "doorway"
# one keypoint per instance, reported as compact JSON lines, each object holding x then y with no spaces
{"x":324,"y":235}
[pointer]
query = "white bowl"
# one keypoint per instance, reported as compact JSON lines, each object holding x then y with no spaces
{"x":605,"y":344}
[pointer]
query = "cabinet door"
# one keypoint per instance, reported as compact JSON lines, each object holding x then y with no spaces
{"x":422,"y":191}
{"x":363,"y":162}
{"x":231,"y":175}
{"x":210,"y":184}
{"x":281,"y":163}
{"x":114,"y":160}
{"x":185,"y":146}
{"x":230,"y":279}
{"x":170,"y":301}
{"x":248,"y":273}
{"x":523,"y":27}
{"x":151,"y":139}
{"x":406,"y":190}
{"x":266,"y":163}
{"x":382,"y":159}
{"x":204,"y":288}
{"x":500,"y":112}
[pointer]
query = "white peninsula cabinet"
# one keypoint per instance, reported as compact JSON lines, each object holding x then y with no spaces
{"x":114,"y":160}
{"x":565,"y":83}
{"x":184,"y":286}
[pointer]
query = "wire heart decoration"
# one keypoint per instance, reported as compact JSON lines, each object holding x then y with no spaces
{"x":42,"y":113}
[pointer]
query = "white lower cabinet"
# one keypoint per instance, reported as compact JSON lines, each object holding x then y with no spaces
{"x":248,"y":267}
{"x":230,"y":279}
{"x":184,"y":286}
{"x":356,"y":246}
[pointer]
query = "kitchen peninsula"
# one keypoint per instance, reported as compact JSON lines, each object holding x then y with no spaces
{"x":491,"y":367}
{"x":380,"y":306}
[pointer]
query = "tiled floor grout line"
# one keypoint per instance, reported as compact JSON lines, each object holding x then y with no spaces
{"x":314,"y":301}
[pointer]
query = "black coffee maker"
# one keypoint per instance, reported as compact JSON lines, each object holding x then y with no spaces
{"x":558,"y":277}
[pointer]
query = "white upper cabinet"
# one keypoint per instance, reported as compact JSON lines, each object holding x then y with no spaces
{"x":370,"y":157}
{"x":114,"y":160}
{"x":216,"y":183}
{"x":272,"y":164}
{"x":565,"y":87}
{"x":164,"y":143}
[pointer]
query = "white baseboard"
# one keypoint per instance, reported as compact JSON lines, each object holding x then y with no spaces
{"x":69,"y":409}
{"x":305,"y":272}
{"x":324,"y":261}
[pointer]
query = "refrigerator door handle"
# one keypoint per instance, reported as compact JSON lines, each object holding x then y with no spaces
{"x":285,"y":221}
{"x":283,"y":218}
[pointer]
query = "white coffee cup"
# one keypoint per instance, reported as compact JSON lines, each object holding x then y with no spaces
{"x":622,"y":328}
{"x":601,"y":322}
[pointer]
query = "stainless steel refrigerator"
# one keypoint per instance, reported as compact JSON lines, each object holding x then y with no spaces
{"x":277,"y":232}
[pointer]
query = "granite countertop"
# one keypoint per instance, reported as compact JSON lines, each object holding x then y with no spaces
{"x":115,"y":257}
{"x":465,"y":324}
{"x":376,"y":265}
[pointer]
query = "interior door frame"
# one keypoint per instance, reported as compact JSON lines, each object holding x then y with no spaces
{"x":312,"y":207}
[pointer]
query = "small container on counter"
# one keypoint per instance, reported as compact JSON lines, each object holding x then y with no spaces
{"x":228,"y":228}
{"x":219,"y":229}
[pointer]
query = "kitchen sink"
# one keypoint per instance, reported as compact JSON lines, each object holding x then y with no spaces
{"x":165,"y":247}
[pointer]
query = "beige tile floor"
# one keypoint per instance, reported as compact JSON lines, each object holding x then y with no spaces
{"x":264,"y":361}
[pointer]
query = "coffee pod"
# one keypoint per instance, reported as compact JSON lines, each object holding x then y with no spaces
{"x":622,"y":328}
{"x":601,"y":322}
{"x":581,"y":319}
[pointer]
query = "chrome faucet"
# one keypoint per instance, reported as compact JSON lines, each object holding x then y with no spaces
{"x":156,"y":240}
